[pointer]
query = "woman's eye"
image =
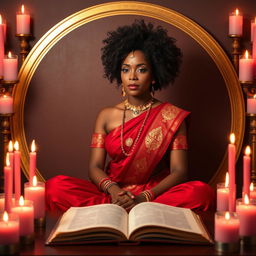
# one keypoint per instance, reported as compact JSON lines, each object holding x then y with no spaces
{"x":142,"y":70}
{"x":124,"y":70}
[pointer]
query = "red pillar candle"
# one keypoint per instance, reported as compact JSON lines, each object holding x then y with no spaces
{"x":223,"y":195}
{"x":36,"y":193}
{"x":236,"y":23}
{"x":1,"y":46}
{"x":6,"y":104}
{"x":253,"y":25}
{"x":23,"y":22}
{"x":231,"y":171}
{"x":17,"y":174}
{"x":252,"y":191}
{"x":251,"y":104}
{"x":246,"y":68}
{"x":10,"y":64}
{"x":7,"y":185}
{"x":32,"y":162}
{"x":247,"y":171}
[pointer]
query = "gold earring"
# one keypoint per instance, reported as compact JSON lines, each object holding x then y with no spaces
{"x":123,"y":91}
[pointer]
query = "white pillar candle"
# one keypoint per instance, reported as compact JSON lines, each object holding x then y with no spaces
{"x":236,"y":23}
{"x":23,"y":22}
{"x":10,"y":64}
{"x":251,"y":105}
{"x":6,"y":104}
{"x":246,"y":66}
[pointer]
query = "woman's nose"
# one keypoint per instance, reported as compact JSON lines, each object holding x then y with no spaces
{"x":133,"y":76}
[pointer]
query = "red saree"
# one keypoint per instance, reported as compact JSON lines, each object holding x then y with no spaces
{"x":136,"y":172}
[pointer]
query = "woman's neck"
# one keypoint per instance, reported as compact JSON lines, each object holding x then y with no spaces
{"x":138,"y":101}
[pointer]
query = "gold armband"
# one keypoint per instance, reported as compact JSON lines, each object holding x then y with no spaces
{"x":98,"y":140}
{"x":179,"y":142}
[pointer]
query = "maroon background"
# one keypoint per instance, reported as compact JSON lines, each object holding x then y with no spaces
{"x":68,"y":88}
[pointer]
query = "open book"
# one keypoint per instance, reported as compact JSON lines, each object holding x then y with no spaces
{"x":152,"y":222}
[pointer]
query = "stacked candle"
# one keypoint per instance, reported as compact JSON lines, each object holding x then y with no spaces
{"x":236,"y":23}
{"x":10,"y":67}
{"x":23,"y":22}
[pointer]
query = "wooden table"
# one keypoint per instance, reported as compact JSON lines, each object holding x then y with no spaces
{"x":39,"y":247}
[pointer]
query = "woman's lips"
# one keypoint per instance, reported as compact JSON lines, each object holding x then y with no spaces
{"x":133,"y":86}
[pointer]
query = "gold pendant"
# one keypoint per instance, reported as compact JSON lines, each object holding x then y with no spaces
{"x":128,"y":142}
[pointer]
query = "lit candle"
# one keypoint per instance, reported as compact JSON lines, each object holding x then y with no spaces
{"x":10,"y":64}
{"x":251,"y":104}
{"x":9,"y":229}
{"x":6,"y":104}
{"x":226,"y":227}
{"x":36,"y":193}
{"x":236,"y":23}
{"x":32,"y":162}
{"x":231,"y":171}
{"x":252,"y":191}
{"x":247,"y":170}
{"x":23,"y":22}
{"x":1,"y":46}
{"x":246,"y":65}
{"x":25,"y":210}
{"x":17,"y":179}
{"x":7,"y":185}
{"x":223,"y":195}
{"x":11,"y":160}
{"x":253,"y":25}
{"x":246,"y":210}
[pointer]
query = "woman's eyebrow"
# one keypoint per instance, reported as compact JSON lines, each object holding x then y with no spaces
{"x":140,"y":64}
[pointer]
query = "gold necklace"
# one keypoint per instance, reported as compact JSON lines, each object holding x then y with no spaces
{"x":139,"y":133}
{"x":136,"y":110}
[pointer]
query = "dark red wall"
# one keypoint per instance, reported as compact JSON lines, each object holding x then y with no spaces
{"x":68,"y":89}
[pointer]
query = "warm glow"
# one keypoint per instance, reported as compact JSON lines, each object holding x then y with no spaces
{"x":255,"y":20}
{"x":248,"y":150}
{"x":16,"y":145}
{"x":10,"y":146}
{"x":1,"y":21}
{"x":23,"y":9}
{"x":7,"y":160}
{"x":33,"y":146}
{"x":227,"y":180}
{"x":21,"y":201}
{"x":34,"y":181}
{"x":246,"y":199}
{"x":237,"y":12}
{"x":227,"y":216}
{"x":254,"y":96}
{"x":251,"y":187}
{"x":246,"y":55}
{"x":232,"y":138}
{"x":5,"y":216}
{"x":9,"y":55}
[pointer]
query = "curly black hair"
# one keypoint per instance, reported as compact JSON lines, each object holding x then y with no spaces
{"x":159,"y":49}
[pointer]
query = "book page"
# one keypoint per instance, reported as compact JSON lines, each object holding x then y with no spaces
{"x":96,"y":216}
{"x":150,"y":213}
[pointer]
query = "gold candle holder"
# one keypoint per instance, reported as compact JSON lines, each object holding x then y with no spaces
{"x":24,"y":45}
{"x":236,"y":50}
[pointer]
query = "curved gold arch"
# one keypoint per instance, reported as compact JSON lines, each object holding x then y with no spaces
{"x":176,"y":19}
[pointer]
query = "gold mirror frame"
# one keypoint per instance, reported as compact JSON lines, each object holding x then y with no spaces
{"x":128,"y":8}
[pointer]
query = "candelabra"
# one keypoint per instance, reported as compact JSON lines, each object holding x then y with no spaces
{"x":24,"y":45}
{"x":236,"y":50}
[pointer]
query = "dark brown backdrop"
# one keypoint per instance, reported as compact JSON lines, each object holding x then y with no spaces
{"x":68,"y":89}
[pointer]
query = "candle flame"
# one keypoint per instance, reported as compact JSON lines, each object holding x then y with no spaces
{"x":7,"y":160}
{"x":34,"y":181}
{"x":33,"y":146}
{"x":21,"y":201}
{"x":237,"y":12}
{"x":9,"y":55}
{"x":232,"y":138}
{"x":227,"y":180}
{"x":23,"y":9}
{"x":5,"y":217}
{"x":248,"y":150}
{"x":246,"y":55}
{"x":246,"y":199}
{"x":16,"y":145}
{"x":254,"y":96}
{"x":227,"y":216}
{"x":10,"y":146}
{"x":1,"y":21}
{"x":251,"y":187}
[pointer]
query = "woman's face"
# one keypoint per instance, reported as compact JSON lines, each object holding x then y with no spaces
{"x":136,"y":74}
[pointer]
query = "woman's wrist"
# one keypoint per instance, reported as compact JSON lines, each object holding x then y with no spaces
{"x":106,"y":184}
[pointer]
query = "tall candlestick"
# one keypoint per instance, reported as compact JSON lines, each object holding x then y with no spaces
{"x":236,"y":23}
{"x":223,"y":195}
{"x":247,"y":171}
{"x":17,"y":180}
{"x":246,"y":66}
{"x":32,"y":162}
{"x":23,"y":22}
{"x":7,"y":185}
{"x":231,"y":171}
{"x":1,"y":46}
{"x":10,"y":64}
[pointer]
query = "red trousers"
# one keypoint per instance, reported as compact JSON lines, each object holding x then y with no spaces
{"x":62,"y":192}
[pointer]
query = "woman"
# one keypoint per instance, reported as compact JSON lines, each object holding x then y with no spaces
{"x":145,"y":138}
